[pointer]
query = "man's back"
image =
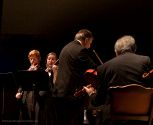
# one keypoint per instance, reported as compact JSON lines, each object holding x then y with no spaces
{"x":74,"y":60}
{"x":125,"y":69}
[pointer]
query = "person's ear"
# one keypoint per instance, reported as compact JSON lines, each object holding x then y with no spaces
{"x":86,"y":40}
{"x":117,"y":53}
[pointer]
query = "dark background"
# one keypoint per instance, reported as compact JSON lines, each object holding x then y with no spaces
{"x":47,"y":25}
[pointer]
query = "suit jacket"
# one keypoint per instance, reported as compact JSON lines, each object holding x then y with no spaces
{"x":126,"y":68}
{"x":74,"y":60}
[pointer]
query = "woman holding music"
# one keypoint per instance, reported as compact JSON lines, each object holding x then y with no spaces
{"x":29,"y":110}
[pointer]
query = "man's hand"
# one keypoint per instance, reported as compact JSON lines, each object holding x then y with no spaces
{"x":90,"y":90}
{"x":18,"y":95}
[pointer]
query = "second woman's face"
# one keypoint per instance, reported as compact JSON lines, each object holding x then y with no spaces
{"x":51,"y":59}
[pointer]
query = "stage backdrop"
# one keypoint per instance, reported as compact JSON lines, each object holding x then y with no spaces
{"x":48,"y":25}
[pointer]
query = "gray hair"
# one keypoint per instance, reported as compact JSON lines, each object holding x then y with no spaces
{"x":125,"y":43}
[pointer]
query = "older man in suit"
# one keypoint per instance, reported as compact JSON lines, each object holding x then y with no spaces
{"x":126,"y":68}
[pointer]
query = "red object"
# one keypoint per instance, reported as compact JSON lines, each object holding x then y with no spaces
{"x":91,"y":80}
{"x":93,"y":71}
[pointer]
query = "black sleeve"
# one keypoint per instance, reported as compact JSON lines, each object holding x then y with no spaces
{"x":86,"y":59}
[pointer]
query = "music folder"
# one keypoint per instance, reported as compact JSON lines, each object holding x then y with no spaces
{"x":30,"y":80}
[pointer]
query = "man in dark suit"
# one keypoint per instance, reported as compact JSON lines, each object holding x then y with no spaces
{"x":74,"y":60}
{"x":126,"y":68}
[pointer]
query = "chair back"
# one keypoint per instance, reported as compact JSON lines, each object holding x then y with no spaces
{"x":131,"y":102}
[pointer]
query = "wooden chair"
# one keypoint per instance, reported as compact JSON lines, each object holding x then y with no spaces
{"x":131,"y":102}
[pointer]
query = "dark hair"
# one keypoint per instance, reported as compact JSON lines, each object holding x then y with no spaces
{"x":52,"y":53}
{"x":83,"y":34}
